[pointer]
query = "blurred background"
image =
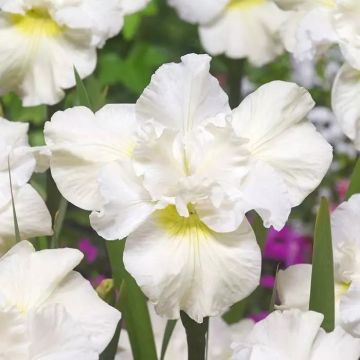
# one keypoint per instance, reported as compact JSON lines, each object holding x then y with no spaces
{"x":156,"y":36}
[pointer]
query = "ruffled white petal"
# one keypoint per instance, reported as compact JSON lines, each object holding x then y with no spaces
{"x":293,"y":287}
{"x":186,"y":266}
{"x":280,"y":336}
{"x":80,"y":300}
{"x":32,"y":214}
{"x":345,"y":227}
{"x":81,"y":143}
{"x":201,"y":11}
{"x":23,"y":281}
{"x":345,"y":97}
{"x":336,"y":345}
{"x":127,"y":204}
{"x":245,"y":32}
{"x":272,"y":120}
{"x":183,"y":96}
{"x":54,"y":335}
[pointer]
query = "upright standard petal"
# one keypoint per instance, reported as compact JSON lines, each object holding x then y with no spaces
{"x":186,"y":266}
{"x":272,"y":120}
{"x":245,"y":29}
{"x":293,"y":287}
{"x":32,"y":214}
{"x":183,"y":96}
{"x":82,"y":142}
{"x":345,"y":97}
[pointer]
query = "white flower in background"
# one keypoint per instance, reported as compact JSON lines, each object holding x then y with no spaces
{"x":296,"y":335}
{"x":42,"y":41}
{"x":33,"y":217}
{"x":221,"y":336}
{"x":309,"y":29}
{"x":237,"y":28}
{"x":48,"y":311}
{"x":294,"y":283}
{"x":177,"y":172}
{"x":345,"y":100}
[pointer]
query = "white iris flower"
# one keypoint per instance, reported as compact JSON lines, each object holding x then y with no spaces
{"x":48,"y":311}
{"x":177,"y":172}
{"x":237,"y":28}
{"x":41,"y":41}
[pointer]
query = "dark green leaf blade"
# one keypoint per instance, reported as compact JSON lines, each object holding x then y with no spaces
{"x":196,"y":335}
{"x":169,"y":329}
{"x":354,"y":187}
{"x":133,"y":305}
{"x":322,"y":297}
{"x":16,"y":224}
{"x":81,"y":92}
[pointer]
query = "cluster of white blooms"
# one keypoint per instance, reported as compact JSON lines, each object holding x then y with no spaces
{"x":41,"y":41}
{"x":176,"y":174}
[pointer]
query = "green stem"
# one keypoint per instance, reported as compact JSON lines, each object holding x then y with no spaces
{"x":196,"y":335}
{"x":59,"y":222}
{"x":235,"y":74}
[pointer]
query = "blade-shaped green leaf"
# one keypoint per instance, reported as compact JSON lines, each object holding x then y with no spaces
{"x":169,"y":329}
{"x":274,"y":292}
{"x":82,"y":95}
{"x":322,"y":297}
{"x":196,"y":335}
{"x":16,"y":224}
{"x":354,"y":187}
{"x":133,"y":306}
{"x":59,"y":222}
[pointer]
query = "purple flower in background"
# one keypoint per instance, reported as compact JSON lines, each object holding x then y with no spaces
{"x":89,"y":250}
{"x":259,"y":316}
{"x":342,"y":187}
{"x":288,"y":246}
{"x":267,"y":281}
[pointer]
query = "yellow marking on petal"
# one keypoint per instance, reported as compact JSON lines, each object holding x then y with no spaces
{"x":327,"y":3}
{"x":36,"y":22}
{"x":190,"y":227}
{"x":244,"y":4}
{"x":341,"y":289}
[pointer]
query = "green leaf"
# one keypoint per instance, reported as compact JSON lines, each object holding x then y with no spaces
{"x":169,"y":329}
{"x":259,"y":230}
{"x":59,"y":222}
{"x":322,"y":297}
{"x":133,"y":305}
{"x":82,"y":95}
{"x":354,"y":187}
{"x":16,"y":224}
{"x":274,"y":292}
{"x":196,"y":335}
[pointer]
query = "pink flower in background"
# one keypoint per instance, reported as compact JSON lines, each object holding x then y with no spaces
{"x":89,"y":250}
{"x":342,"y":187}
{"x":288,"y":246}
{"x":267,"y":281}
{"x":259,"y":316}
